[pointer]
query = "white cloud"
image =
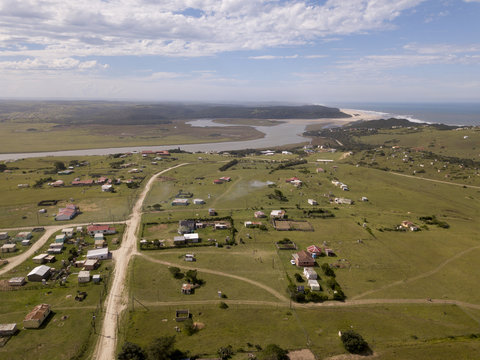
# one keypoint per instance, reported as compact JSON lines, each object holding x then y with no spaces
{"x":276,"y":57}
{"x":442,"y":48}
{"x":51,"y":64}
{"x":69,"y":28}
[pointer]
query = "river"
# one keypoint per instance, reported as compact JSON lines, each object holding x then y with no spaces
{"x":282,"y":134}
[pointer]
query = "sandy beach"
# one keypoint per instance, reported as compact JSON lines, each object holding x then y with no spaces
{"x":356,"y":115}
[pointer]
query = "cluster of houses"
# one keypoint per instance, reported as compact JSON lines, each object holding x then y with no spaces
{"x":67,"y":213}
{"x":187,"y":234}
{"x":408,"y":225}
{"x":341,"y":185}
{"x":185,"y":202}
{"x":306,"y":259}
{"x":43,"y":272}
{"x":23,"y":238}
{"x":33,"y":320}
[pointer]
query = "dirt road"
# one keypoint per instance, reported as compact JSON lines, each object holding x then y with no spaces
{"x":116,"y":300}
{"x":437,"y":181}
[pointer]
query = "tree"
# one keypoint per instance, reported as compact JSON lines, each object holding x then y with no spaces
{"x":353,"y":342}
{"x":162,"y":348}
{"x":191,"y":276}
{"x":189,"y":327}
{"x":225,"y":352}
{"x":175,"y":271}
{"x":58,"y":165}
{"x":131,"y":351}
{"x":273,"y":352}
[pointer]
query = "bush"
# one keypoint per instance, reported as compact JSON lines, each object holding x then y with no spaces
{"x":327,"y":270}
{"x":273,"y":352}
{"x":298,"y":277}
{"x":189,"y":327}
{"x":131,"y":351}
{"x":223,"y":305}
{"x":175,"y":271}
{"x":225,"y":352}
{"x":353,"y":342}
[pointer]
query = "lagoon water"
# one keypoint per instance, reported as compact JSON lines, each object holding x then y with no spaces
{"x":281,"y":134}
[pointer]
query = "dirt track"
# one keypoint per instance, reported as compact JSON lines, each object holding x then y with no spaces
{"x":116,"y":300}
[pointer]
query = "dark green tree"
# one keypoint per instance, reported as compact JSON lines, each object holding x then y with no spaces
{"x":273,"y":352}
{"x":58,"y":165}
{"x":131,"y":351}
{"x":353,"y":342}
{"x":162,"y":348}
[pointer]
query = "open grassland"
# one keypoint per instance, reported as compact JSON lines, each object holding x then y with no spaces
{"x":40,"y":136}
{"x":415,"y":328}
{"x":449,"y":143}
{"x":19,"y":206}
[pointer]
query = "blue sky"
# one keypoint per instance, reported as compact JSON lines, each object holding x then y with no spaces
{"x":241,"y":50}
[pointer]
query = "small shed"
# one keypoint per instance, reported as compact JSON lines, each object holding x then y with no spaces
{"x":68,"y":232}
{"x":198,"y":201}
{"x":4,"y":236}
{"x":8,"y":329}
{"x":314,"y":285}
{"x":26,"y":242}
{"x":212,"y":212}
{"x":96,"y":278}
{"x":23,"y":235}
{"x":17,"y":281}
{"x":309,"y":273}
{"x":60,"y":238}
{"x":84,"y":276}
{"x":40,"y":259}
{"x":36,"y":317}
{"x":187,"y":289}
{"x":179,"y":240}
{"x":7,"y":248}
{"x":312,"y":202}
{"x":98,"y":236}
{"x":39,"y":273}
{"x":100,"y":244}
{"x":91,"y":264}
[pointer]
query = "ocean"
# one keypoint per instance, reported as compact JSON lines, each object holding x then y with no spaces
{"x":444,"y":113}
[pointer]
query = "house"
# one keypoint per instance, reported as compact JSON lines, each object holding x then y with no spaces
{"x":320,"y":170}
{"x":212,"y":212}
{"x":36,"y":317}
{"x":26,"y":242}
{"x":291,"y":179}
{"x":186,"y":226}
{"x":68,"y":232}
{"x":198,"y":201}
{"x":343,"y":201}
{"x":329,"y":252}
{"x":178,"y":201}
{"x":364,"y":198}
{"x":96,"y":278}
{"x":100,"y":243}
{"x":296,"y":183}
{"x":84,"y":276}
{"x":221,"y":226}
{"x":189,"y":257}
{"x":78,"y":182}
{"x":23,"y":235}
{"x":8,"y":329}
{"x":65,"y":172}
{"x":309,"y":273}
{"x":17,"y":281}
{"x":162,"y":153}
{"x":217,"y":181}
{"x":191,"y":238}
{"x":8,"y":248}
{"x":314,"y":285}
{"x":286,"y":152}
{"x":40,"y":259}
{"x":312,"y":202}
{"x":39,"y":273}
{"x":226,"y":178}
{"x":179,"y":240}
{"x":4,"y":236}
{"x":91,"y":264}
{"x":100,"y":229}
{"x":252,"y":224}
{"x":259,"y":214}
{"x":107,"y":188}
{"x":53,"y":249}
{"x":277,"y":214}
{"x":101,"y":180}
{"x":50,"y":258}
{"x":57,"y":183}
{"x":100,"y":254}
{"x":67,"y":213}
{"x":60,"y":239}
{"x":187,"y":289}
{"x":314,"y":250}
{"x":303,"y":259}
{"x":409,"y":225}
{"x":79,"y":229}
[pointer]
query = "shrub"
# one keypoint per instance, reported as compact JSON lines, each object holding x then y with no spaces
{"x":353,"y":342}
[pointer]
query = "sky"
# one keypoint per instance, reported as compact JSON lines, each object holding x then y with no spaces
{"x":241,"y":50}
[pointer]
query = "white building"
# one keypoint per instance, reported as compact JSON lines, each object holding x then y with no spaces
{"x":312,"y":202}
{"x":101,"y":254}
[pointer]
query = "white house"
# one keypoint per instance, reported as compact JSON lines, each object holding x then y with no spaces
{"x":192,"y":238}
{"x":312,"y":202}
{"x":198,"y":201}
{"x":277,"y":214}
{"x":68,"y":232}
{"x":309,"y":273}
{"x":84,"y":276}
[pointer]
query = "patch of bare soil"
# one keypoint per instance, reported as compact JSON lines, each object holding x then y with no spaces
{"x":198,"y":325}
{"x":158,"y":227}
{"x":304,"y":354}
